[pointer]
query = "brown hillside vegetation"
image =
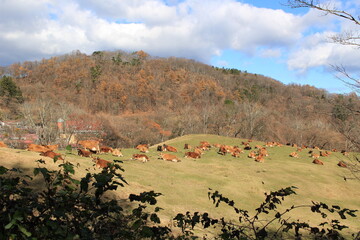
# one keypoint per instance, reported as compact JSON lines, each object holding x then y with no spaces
{"x":141,"y":99}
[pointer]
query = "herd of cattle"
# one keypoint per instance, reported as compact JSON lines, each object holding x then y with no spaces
{"x":86,"y":148}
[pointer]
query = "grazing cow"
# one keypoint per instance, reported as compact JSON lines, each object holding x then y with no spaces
{"x":142,"y":157}
{"x":192,"y":155}
{"x":317,"y":161}
{"x":52,"y":147}
{"x":342,"y":164}
{"x":84,"y":153}
{"x":2,"y":144}
{"x":170,"y":148}
{"x":101,"y":163}
{"x":52,"y":155}
{"x":260,"y":158}
{"x":116,"y":152}
{"x":105,"y":149}
{"x":91,"y":145}
{"x":294,"y":154}
{"x":37,"y":148}
{"x":169,"y":157}
{"x":143,"y":148}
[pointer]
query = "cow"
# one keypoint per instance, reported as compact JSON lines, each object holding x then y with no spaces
{"x":205,"y":144}
{"x":116,"y":152}
{"x":187,"y":146}
{"x":315,"y":155}
{"x":342,"y":164}
{"x":144,"y":148}
{"x":105,"y":149}
{"x":101,"y":163}
{"x":323,"y":154}
{"x":247,"y":147}
{"x":317,"y":161}
{"x":192,"y":155}
{"x":52,"y":155}
{"x":198,"y":150}
{"x":263,"y":151}
{"x":52,"y":147}
{"x":142,"y":157}
{"x":334,"y":150}
{"x":2,"y":144}
{"x":37,"y":148}
{"x":294,"y":154}
{"x":252,"y":154}
{"x":222,"y":150}
{"x":259,"y":158}
{"x":91,"y":145}
{"x":170,"y":148}
{"x":160,"y":148}
{"x":84,"y":153}
{"x":169,"y":157}
{"x":217,"y":145}
{"x":345,"y":153}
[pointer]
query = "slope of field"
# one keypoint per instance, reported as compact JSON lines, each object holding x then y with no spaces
{"x":185,"y":185}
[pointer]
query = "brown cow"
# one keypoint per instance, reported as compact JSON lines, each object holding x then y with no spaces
{"x":342,"y":164}
{"x":317,"y":161}
{"x":2,"y":144}
{"x":252,"y":154}
{"x":37,"y":148}
{"x":314,"y":155}
{"x":52,"y":155}
{"x":222,"y":150}
{"x":116,"y":152}
{"x":84,"y":153}
{"x":169,"y":148}
{"x":192,"y":155}
{"x":263,"y":151}
{"x":198,"y":150}
{"x":169,"y":157}
{"x":52,"y":147}
{"x":142,"y":157}
{"x":144,"y":148}
{"x":101,"y":163}
{"x":105,"y":149}
{"x":91,"y":145}
{"x":260,"y":158}
{"x":294,"y":154}
{"x":345,"y":153}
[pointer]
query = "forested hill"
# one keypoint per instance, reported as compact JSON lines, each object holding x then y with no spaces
{"x":139,"y":98}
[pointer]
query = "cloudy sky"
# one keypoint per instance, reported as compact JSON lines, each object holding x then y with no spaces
{"x":259,"y":36}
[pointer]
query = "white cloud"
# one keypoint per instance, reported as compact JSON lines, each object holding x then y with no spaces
{"x":32,"y":29}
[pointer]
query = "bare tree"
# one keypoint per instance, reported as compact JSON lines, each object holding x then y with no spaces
{"x":349,"y":38}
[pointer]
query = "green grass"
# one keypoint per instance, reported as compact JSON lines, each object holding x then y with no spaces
{"x":185,"y":185}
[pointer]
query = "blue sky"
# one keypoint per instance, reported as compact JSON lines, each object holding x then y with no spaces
{"x":263,"y":37}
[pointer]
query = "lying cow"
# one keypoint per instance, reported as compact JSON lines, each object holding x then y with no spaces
{"x":101,"y":163}
{"x":105,"y":149}
{"x":52,"y":155}
{"x":294,"y":154}
{"x":192,"y":155}
{"x":84,"y":153}
{"x":169,"y":148}
{"x":317,"y":161}
{"x":169,"y":157}
{"x":142,"y":157}
{"x":37,"y":148}
{"x":144,"y":148}
{"x":116,"y":152}
{"x":342,"y":164}
{"x":91,"y":145}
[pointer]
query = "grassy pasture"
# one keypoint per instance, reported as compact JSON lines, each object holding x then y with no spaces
{"x":184,"y":185}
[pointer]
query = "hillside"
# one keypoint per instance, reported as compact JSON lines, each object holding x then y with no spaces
{"x":184,"y":185}
{"x":139,"y":98}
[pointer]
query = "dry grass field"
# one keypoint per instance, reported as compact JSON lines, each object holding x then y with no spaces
{"x":185,"y":184}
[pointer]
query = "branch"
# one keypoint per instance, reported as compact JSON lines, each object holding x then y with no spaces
{"x":322,"y":7}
